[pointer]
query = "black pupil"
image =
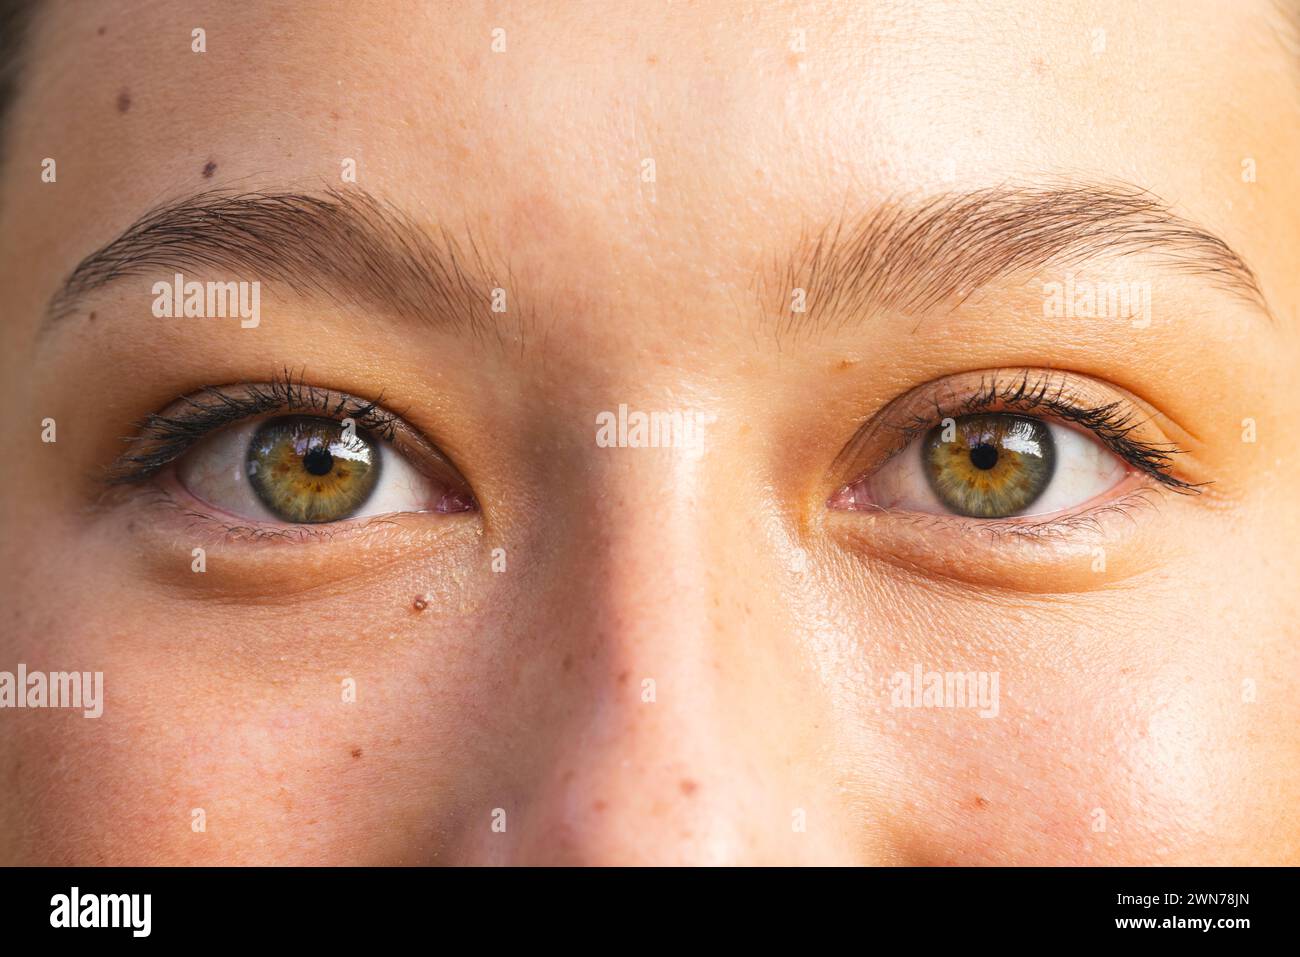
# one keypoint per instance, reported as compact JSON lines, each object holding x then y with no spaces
{"x":318,"y":461}
{"x":984,"y":457}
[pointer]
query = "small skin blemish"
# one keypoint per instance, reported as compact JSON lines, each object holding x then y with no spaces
{"x":420,"y":603}
{"x":102,"y":30}
{"x":981,"y":802}
{"x":567,"y":663}
{"x":123,"y":101}
{"x":688,"y":786}
{"x":208,"y":169}
{"x":356,"y":752}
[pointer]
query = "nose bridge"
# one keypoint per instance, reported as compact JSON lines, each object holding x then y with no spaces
{"x":679,"y":753}
{"x":674,"y":563}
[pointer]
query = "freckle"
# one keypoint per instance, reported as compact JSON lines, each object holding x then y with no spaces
{"x":208,"y":169}
{"x":356,"y":752}
{"x":651,"y":60}
{"x":622,"y":678}
{"x":92,"y":316}
{"x":688,"y":786}
{"x":123,"y":101}
{"x":567,"y":663}
{"x":981,"y":802}
{"x":847,"y":364}
{"x":102,"y":30}
{"x":420,"y":603}
{"x":599,"y":806}
{"x":334,"y":115}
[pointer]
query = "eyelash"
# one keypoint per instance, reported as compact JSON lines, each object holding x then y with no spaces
{"x":163,"y":439}
{"x":1112,"y":422}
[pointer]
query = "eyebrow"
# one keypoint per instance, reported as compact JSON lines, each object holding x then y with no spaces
{"x":910,"y":255}
{"x":914,"y":255}
{"x":347,"y":246}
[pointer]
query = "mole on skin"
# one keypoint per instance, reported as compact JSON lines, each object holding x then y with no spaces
{"x":208,"y":169}
{"x":123,"y":101}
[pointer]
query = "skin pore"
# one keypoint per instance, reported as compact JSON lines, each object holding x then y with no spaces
{"x":658,"y":655}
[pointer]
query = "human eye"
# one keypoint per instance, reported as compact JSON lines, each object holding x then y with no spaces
{"x":287,"y":454}
{"x":1019,"y":449}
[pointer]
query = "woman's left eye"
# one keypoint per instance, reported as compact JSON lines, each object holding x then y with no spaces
{"x":306,"y":470}
{"x":990,"y":466}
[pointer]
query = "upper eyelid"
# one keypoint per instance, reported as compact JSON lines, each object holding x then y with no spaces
{"x":1026,"y":392}
{"x":162,"y":438}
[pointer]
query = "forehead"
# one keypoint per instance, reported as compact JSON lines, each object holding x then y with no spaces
{"x":658,"y":149}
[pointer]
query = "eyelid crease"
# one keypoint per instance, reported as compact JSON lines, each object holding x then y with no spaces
{"x":1028,"y":392}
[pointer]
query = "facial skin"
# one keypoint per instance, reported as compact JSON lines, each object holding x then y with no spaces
{"x":1146,"y":654}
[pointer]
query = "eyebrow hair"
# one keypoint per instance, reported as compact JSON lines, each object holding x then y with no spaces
{"x":914,"y":255}
{"x":903,"y":254}
{"x":347,"y":246}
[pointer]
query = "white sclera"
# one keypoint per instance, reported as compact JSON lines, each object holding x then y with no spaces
{"x":215,"y":471}
{"x":1084,"y":469}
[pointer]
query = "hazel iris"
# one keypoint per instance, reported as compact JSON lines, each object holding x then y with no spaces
{"x":989,"y":466}
{"x":307,"y":469}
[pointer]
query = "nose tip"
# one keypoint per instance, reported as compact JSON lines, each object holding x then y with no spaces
{"x":630,"y":811}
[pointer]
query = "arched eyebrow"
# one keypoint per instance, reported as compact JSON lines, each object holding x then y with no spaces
{"x":347,"y":246}
{"x":909,"y":255}
{"x":914,"y":255}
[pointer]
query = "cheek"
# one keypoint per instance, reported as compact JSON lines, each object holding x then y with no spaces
{"x":189,"y":767}
{"x":235,"y":713}
{"x":1148,"y":770}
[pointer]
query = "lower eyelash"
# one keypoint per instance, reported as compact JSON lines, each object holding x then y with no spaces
{"x":164,"y":438}
{"x":1045,"y":530}
{"x":205,"y":524}
{"x":1111,"y":422}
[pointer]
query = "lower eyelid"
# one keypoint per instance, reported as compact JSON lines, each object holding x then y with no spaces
{"x":218,"y":525}
{"x":1098,"y":546}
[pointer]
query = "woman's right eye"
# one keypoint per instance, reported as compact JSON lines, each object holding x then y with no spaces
{"x":300,"y":469}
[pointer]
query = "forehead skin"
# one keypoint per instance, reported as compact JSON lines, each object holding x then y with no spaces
{"x":762,"y":123}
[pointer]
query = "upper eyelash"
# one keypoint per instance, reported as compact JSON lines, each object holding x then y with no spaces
{"x":162,"y":439}
{"x":1111,"y":422}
